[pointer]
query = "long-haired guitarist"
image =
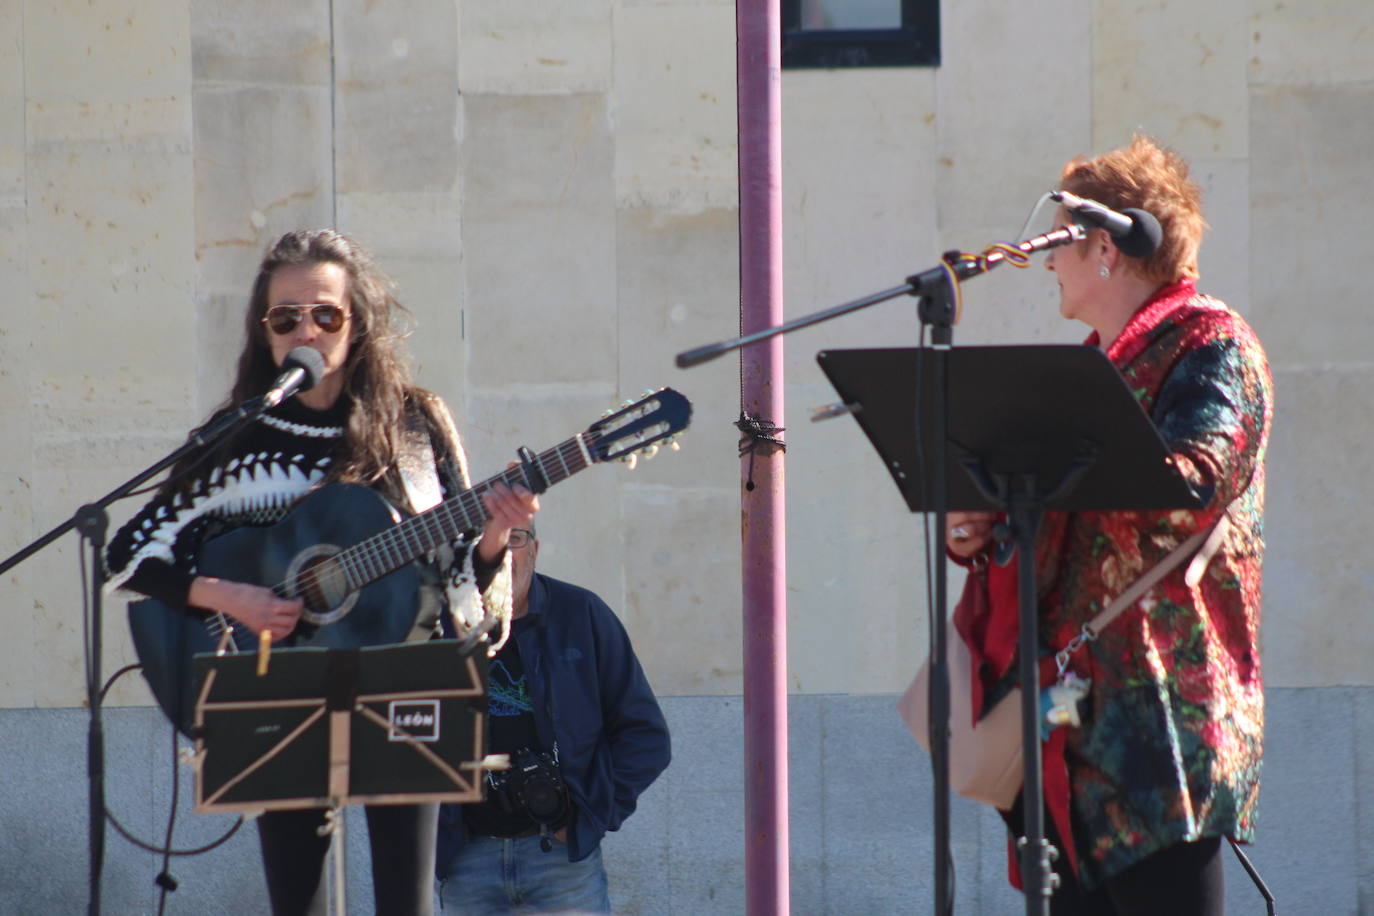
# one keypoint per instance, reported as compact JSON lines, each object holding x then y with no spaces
{"x":363,"y":422}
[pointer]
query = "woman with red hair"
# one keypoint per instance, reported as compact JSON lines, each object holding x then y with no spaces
{"x":1165,"y":759}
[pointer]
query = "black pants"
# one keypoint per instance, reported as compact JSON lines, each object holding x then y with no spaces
{"x":1185,"y":879}
{"x":402,"y":841}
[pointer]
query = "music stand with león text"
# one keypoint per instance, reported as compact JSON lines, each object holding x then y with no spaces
{"x":325,"y":728}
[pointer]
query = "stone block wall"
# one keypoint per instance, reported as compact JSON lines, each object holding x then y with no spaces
{"x":554,"y":190}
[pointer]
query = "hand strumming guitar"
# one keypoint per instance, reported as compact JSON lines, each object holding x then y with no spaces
{"x":255,"y":606}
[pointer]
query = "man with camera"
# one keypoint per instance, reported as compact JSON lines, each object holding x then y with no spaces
{"x":569,"y":703}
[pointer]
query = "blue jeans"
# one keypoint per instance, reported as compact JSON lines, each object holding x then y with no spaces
{"x":492,"y":876}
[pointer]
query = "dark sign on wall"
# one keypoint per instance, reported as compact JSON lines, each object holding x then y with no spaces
{"x":828,"y":34}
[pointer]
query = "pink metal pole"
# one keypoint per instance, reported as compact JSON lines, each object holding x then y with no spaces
{"x":763,"y":510}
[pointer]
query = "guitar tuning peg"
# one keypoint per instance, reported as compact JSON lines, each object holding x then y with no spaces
{"x":673,"y":444}
{"x":647,"y":392}
{"x":631,"y":460}
{"x":627,"y":403}
{"x":651,"y":451}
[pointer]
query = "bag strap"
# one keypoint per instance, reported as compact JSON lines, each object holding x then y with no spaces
{"x":1148,"y":581}
{"x":1201,"y":546}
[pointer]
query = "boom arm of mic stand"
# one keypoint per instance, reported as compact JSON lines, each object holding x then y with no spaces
{"x":694,"y":357}
{"x":916,"y":285}
{"x":245,"y":412}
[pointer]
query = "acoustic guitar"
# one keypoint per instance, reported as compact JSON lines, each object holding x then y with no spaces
{"x":357,"y":563}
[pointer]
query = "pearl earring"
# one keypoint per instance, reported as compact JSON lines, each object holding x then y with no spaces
{"x":1105,"y":272}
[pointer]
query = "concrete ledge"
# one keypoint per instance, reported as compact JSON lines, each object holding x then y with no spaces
{"x":859,"y":817}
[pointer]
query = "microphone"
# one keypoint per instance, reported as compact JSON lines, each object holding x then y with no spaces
{"x":301,"y":370}
{"x":1133,"y":231}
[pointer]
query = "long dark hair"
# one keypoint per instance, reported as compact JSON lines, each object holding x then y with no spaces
{"x":377,"y":380}
{"x":376,"y":374}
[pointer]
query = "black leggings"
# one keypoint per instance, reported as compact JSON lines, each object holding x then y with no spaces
{"x":1185,"y":879}
{"x":402,"y":841}
{"x":1182,"y":880}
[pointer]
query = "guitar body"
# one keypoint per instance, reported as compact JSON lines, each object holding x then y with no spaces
{"x":330,"y":519}
{"x":334,"y":517}
{"x":166,"y":640}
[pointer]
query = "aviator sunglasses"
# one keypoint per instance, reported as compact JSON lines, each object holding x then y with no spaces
{"x":282,"y":319}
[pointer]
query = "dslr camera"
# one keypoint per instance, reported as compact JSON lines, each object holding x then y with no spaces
{"x":534,"y":787}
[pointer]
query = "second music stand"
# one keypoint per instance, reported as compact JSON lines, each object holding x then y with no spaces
{"x":1034,"y":428}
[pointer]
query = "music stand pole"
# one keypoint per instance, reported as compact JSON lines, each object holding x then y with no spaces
{"x":1025,"y":511}
{"x":91,"y":523}
{"x":1024,"y":499}
{"x":936,"y":311}
{"x":334,"y":825}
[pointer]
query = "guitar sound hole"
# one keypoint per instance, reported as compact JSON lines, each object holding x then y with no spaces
{"x":319,"y":580}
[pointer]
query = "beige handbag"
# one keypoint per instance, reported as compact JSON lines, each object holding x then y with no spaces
{"x":985,"y":762}
{"x":984,"y":757}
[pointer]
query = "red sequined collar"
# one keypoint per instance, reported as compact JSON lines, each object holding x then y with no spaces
{"x":1135,"y":336}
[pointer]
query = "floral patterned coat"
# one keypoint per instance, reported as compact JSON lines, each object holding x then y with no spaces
{"x":1170,"y":745}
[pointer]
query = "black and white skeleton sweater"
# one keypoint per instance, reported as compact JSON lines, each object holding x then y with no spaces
{"x":280,"y":458}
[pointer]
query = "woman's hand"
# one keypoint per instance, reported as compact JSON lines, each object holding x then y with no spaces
{"x":256,"y":607}
{"x":508,"y":508}
{"x":968,"y":533}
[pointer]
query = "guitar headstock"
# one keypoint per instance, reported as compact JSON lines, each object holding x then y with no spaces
{"x":639,"y":426}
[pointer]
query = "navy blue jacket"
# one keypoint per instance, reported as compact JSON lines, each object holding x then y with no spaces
{"x":590,"y":696}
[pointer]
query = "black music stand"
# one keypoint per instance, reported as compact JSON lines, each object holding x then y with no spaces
{"x":325,"y":728}
{"x":1034,"y":428}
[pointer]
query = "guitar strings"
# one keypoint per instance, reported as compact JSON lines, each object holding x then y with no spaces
{"x":354,"y":561}
{"x":381,"y":550}
{"x":377,"y":556}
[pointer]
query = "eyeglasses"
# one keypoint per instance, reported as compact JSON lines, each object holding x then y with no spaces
{"x":520,"y":537}
{"x":282,"y":319}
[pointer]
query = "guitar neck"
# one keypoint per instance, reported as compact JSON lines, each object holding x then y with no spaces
{"x":374,"y":557}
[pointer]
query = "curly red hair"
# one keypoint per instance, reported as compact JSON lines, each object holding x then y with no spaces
{"x":1153,"y":178}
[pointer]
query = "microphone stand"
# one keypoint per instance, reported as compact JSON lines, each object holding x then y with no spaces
{"x":936,"y":310}
{"x":91,"y":522}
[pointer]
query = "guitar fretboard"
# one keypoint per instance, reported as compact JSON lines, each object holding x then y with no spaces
{"x":370,"y":559}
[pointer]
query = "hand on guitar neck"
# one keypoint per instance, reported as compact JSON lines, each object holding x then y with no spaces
{"x":508,"y":508}
{"x":255,"y":606}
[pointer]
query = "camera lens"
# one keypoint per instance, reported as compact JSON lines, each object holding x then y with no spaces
{"x":543,"y":799}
